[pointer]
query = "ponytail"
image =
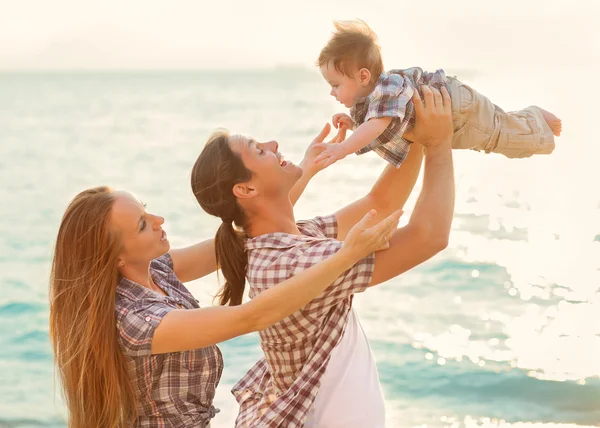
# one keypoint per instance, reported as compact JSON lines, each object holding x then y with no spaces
{"x":214,"y":174}
{"x":233,"y":261}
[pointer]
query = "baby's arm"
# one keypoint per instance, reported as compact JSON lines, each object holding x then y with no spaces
{"x":360,"y":138}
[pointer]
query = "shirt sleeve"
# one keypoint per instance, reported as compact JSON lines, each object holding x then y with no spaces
{"x":389,"y":98}
{"x":354,"y":280}
{"x":136,"y":328}
{"x":324,"y":226}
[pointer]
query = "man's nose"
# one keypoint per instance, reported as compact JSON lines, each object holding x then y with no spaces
{"x":273,"y":146}
{"x":158,"y":220}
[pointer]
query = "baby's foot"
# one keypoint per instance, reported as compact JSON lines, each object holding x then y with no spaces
{"x":553,"y":122}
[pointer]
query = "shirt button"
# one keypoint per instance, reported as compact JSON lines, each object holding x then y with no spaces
{"x":147,"y":319}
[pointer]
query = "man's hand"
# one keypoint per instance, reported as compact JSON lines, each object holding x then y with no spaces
{"x":309,"y":164}
{"x":433,"y":122}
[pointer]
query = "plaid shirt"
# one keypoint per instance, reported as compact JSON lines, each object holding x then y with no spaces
{"x":174,"y":389}
{"x":392,"y":98}
{"x":280,"y":389}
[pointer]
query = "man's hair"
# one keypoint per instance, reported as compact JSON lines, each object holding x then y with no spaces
{"x":353,"y":46}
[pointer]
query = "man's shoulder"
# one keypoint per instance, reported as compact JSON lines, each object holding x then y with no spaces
{"x":319,"y":227}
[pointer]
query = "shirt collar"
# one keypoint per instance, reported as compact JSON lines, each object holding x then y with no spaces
{"x":134,"y":291}
{"x":380,"y":79}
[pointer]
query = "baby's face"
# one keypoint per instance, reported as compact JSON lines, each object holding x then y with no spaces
{"x":344,"y":88}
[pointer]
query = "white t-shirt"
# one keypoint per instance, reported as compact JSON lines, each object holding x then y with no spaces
{"x":350,"y":395}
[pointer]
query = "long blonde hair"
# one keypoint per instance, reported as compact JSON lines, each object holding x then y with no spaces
{"x":83,"y":282}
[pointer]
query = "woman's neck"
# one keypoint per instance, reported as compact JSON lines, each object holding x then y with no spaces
{"x":138,"y":274}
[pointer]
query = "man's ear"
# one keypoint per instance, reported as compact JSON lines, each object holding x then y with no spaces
{"x":364,"y":76}
{"x":245,"y":190}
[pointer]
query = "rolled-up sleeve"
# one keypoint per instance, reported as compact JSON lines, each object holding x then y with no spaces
{"x":136,"y":328}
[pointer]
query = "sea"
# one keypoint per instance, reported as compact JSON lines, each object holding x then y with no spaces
{"x":501,"y":329}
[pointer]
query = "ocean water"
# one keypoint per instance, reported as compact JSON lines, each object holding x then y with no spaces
{"x":500,"y":329}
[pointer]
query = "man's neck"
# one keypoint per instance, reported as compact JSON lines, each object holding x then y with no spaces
{"x":273,"y":216}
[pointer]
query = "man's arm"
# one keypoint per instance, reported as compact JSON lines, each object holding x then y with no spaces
{"x":394,"y":186}
{"x":429,"y":226}
{"x":309,"y":165}
{"x":301,"y":184}
{"x":388,"y":194}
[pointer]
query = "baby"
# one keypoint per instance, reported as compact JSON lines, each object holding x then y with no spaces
{"x":381,"y":110}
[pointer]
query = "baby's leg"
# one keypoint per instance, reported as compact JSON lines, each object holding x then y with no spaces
{"x":553,"y":122}
{"x":482,"y":125}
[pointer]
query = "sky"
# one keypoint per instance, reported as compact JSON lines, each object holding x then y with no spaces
{"x":234,"y":34}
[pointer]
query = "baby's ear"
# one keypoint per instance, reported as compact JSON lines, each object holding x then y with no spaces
{"x":364,"y":76}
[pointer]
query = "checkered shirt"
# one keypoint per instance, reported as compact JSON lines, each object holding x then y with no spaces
{"x":174,"y":389}
{"x":280,"y":389}
{"x":392,"y":98}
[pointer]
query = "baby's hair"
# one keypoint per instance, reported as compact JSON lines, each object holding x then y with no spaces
{"x":353,"y":46}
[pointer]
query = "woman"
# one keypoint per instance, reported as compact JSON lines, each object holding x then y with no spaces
{"x":131,"y":344}
{"x":318,"y":369}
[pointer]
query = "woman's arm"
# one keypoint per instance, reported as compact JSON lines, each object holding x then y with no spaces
{"x":194,"y":262}
{"x":182,"y":330}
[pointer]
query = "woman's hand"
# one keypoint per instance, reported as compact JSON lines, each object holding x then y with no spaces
{"x":363,"y":238}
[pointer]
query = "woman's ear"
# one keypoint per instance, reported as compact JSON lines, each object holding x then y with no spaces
{"x":245,"y":190}
{"x":364,"y":76}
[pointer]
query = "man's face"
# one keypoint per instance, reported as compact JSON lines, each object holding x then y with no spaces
{"x":271,"y":174}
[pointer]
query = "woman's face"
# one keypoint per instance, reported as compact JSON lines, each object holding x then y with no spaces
{"x":271,"y":174}
{"x":142,"y":236}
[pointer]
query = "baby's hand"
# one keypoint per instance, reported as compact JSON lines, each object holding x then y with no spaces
{"x":331,"y":154}
{"x":342,"y":119}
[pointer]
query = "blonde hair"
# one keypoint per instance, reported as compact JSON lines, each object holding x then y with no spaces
{"x":351,"y":47}
{"x":83,"y":331}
